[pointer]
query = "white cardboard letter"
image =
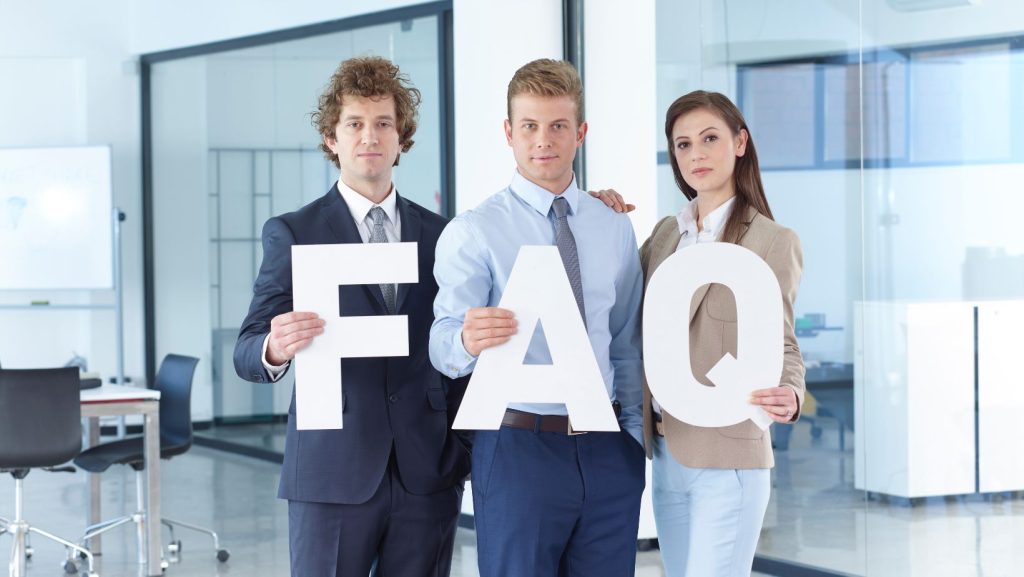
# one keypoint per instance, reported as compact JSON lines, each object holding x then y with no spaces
{"x":317,"y":271}
{"x":759,"y":345}
{"x":538,"y":289}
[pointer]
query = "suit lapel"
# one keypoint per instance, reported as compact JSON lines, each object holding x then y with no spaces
{"x":343,"y":228}
{"x":338,"y":218}
{"x":751,"y":215}
{"x":702,"y":292}
{"x":665,"y":246}
{"x":410,"y":223}
{"x":698,"y":300}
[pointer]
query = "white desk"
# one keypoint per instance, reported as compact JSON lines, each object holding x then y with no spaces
{"x":938,"y":397}
{"x":914,"y":398}
{"x":116,"y":400}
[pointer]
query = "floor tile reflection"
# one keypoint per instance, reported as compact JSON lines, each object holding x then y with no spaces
{"x":815,"y":518}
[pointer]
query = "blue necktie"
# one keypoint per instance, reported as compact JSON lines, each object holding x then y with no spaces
{"x":566,"y":243}
{"x":378,"y":235}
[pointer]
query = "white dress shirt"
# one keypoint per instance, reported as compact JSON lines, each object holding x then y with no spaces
{"x":359,"y":207}
{"x":712,"y":226}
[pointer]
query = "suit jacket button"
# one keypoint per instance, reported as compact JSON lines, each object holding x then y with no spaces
{"x":393,"y":398}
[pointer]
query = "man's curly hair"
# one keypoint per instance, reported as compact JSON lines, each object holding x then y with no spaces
{"x":368,"y":77}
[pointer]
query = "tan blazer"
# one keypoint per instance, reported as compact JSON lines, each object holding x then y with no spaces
{"x":713,"y":333}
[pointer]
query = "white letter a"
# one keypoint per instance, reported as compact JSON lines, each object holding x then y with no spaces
{"x":538,"y":290}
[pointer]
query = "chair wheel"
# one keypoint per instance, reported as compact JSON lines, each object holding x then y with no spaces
{"x":81,"y":555}
{"x":223,"y":555}
{"x":28,"y":552}
{"x":70,"y":567}
{"x":174,"y":547}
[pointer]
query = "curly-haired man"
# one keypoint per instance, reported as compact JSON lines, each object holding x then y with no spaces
{"x":387,"y":487}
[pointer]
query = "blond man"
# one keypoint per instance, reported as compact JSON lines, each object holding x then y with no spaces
{"x":545,"y":502}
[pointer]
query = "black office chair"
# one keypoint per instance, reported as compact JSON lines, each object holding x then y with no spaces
{"x":40,"y":428}
{"x":174,"y":381}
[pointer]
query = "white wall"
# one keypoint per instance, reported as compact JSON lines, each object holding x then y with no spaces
{"x":69,"y":80}
{"x":621,"y":104}
{"x":491,"y":41}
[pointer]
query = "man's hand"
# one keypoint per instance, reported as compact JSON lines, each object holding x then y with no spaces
{"x":485,"y":327}
{"x":290,"y":333}
{"x":613,"y":200}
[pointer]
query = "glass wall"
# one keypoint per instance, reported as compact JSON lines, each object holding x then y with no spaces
{"x":891,"y":139}
{"x":233,"y":145}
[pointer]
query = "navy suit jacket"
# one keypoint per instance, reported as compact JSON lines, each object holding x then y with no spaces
{"x":400,"y":402}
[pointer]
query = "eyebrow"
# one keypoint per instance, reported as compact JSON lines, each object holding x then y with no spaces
{"x":360,"y":117}
{"x":535,"y":121}
{"x":698,"y":134}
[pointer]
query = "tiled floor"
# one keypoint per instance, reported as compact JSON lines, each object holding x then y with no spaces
{"x":233,"y":495}
{"x":815,"y":518}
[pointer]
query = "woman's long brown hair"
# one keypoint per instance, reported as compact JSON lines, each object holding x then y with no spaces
{"x":746,"y":175}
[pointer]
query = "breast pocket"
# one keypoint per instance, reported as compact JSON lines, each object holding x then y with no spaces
{"x":437,"y":400}
{"x":721,"y":303}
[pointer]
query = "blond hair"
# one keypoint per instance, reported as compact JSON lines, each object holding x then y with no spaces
{"x":546,"y":77}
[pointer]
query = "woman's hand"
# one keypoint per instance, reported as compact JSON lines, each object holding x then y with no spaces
{"x":613,"y":200}
{"x":779,"y":402}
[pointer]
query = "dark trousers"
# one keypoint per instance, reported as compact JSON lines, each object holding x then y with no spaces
{"x":554,"y":505}
{"x":407,"y":535}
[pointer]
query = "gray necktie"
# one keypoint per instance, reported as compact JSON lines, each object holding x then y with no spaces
{"x":566,"y":243}
{"x":378,"y":235}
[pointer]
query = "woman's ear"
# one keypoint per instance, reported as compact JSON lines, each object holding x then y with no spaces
{"x":741,"y":142}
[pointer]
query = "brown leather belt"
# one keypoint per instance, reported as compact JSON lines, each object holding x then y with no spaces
{"x":544,"y":423}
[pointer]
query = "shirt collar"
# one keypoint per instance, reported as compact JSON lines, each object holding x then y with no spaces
{"x":541,"y":199}
{"x":713,"y":222}
{"x":360,"y":206}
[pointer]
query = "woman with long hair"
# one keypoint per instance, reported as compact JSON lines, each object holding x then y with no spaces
{"x":711,"y":485}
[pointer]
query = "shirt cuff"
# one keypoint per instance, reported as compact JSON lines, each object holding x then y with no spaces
{"x":462,"y":362}
{"x":275,"y":372}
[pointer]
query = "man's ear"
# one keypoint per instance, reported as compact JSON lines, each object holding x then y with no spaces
{"x":508,"y":131}
{"x":581,"y":133}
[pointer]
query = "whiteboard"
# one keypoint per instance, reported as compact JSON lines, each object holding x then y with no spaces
{"x":56,"y":218}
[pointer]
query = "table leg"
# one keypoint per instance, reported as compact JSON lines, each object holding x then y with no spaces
{"x":152,"y":454}
{"x":93,"y":508}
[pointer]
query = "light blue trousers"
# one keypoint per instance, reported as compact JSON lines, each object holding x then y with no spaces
{"x":708,"y":520}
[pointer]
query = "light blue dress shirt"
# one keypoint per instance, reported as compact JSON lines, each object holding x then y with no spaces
{"x":473,"y":261}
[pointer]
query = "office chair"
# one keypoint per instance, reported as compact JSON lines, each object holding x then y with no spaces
{"x":174,"y":381}
{"x":40,"y":428}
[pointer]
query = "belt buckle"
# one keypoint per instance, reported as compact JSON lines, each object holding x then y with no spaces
{"x":570,"y":431}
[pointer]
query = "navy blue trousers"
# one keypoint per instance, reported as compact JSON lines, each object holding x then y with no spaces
{"x":406,"y":535}
{"x":554,"y":505}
